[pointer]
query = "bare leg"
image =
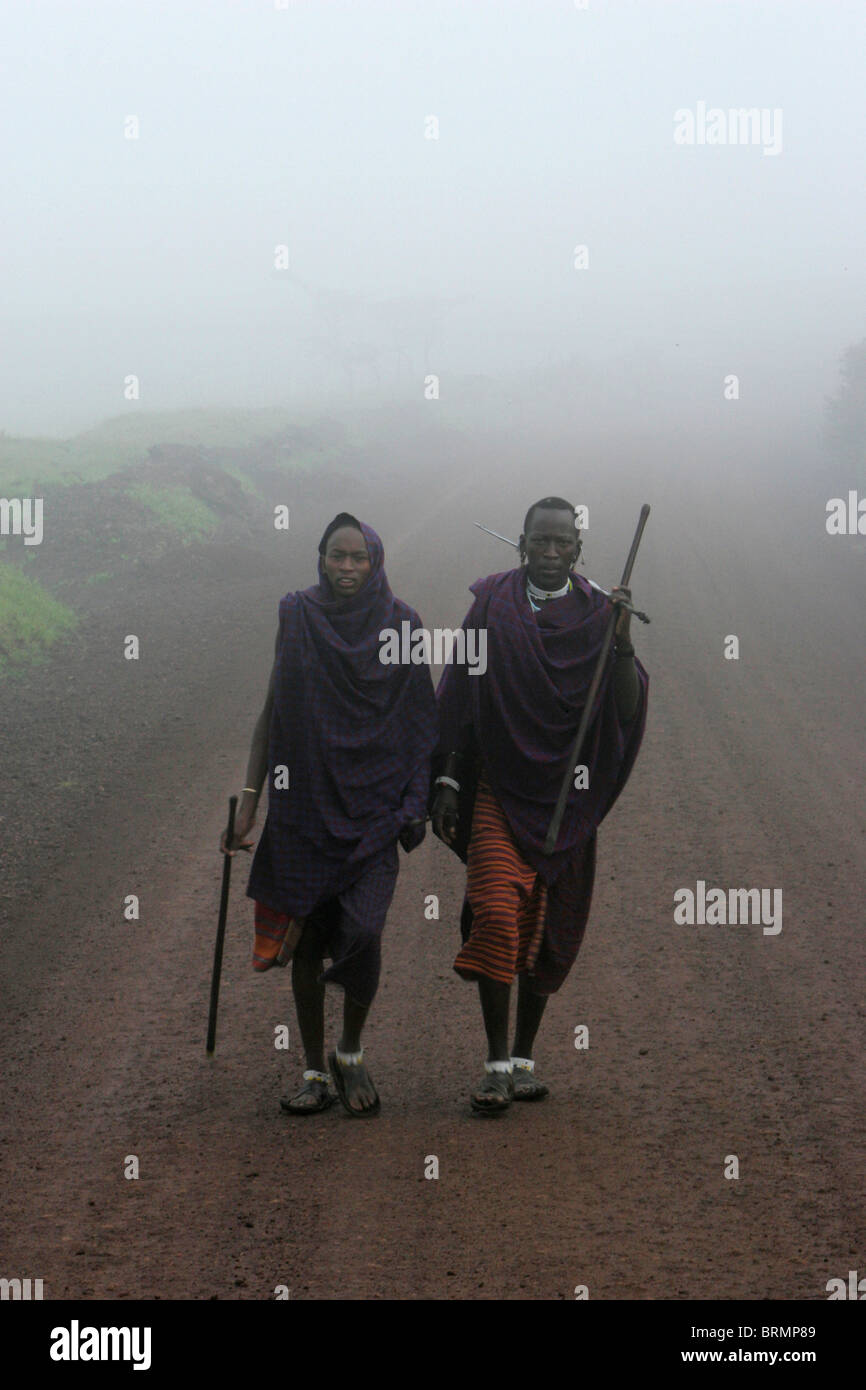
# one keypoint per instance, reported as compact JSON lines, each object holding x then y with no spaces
{"x":495,"y":999}
{"x":530,"y":1010}
{"x":354,"y":1018}
{"x":494,"y":1093}
{"x":309,"y":994}
{"x":361,"y":1094}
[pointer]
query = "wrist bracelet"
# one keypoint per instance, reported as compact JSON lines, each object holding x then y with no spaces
{"x":447,"y":782}
{"x":254,"y":790}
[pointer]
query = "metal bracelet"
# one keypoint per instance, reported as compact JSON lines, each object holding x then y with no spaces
{"x":447,"y":782}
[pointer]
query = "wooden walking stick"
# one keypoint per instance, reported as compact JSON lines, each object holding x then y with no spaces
{"x":221,"y":931}
{"x":556,"y":821}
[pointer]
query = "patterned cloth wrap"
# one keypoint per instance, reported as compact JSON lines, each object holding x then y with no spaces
{"x":521,"y":716}
{"x":356,"y":736}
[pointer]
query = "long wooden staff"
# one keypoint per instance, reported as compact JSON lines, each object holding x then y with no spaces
{"x":556,"y":822}
{"x":221,"y":931}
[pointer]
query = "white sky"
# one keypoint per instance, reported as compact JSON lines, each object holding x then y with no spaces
{"x":305,"y":126}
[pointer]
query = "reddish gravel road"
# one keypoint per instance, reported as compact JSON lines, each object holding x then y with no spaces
{"x":705,"y":1041}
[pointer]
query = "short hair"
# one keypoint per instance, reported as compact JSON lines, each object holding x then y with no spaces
{"x":341,"y":519}
{"x":558,"y":504}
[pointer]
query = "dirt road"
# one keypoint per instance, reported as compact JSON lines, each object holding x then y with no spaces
{"x":705,"y":1042}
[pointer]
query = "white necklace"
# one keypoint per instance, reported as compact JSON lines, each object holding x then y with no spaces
{"x":534,"y":592}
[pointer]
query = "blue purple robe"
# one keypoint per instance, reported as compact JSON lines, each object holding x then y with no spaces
{"x":356,"y":736}
{"x":521,"y":718}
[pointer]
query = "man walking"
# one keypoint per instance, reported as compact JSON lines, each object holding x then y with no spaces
{"x":344,"y":741}
{"x":505,"y":738}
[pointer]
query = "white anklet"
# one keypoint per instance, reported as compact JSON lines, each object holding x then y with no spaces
{"x":316,"y":1076}
{"x":498,"y":1066}
{"x":525,"y":1063}
{"x":350,"y":1059}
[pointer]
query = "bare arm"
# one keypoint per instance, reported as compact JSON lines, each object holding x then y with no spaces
{"x":257,"y":767}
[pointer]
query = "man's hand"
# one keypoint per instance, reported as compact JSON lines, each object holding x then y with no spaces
{"x":623,"y":623}
{"x":244,"y":822}
{"x":412,"y":834}
{"x":445,"y":814}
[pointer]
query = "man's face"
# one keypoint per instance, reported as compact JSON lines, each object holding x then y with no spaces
{"x":346,"y":561}
{"x":550,"y":546}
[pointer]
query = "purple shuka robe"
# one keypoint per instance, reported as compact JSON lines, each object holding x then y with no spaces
{"x":356,"y":736}
{"x":522,"y":715}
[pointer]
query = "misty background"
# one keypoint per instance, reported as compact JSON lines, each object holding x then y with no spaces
{"x":304,"y":125}
{"x":324,"y":309}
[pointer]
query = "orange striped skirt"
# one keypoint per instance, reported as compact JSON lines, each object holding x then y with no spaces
{"x":507,"y":897}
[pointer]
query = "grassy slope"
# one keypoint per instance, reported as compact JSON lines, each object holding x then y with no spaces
{"x":31,"y":619}
{"x":124,"y":440}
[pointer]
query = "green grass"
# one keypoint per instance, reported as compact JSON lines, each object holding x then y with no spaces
{"x":176,"y":507}
{"x":123,"y":440}
{"x":246,"y":483}
{"x":30,"y":620}
{"x":27,"y":465}
{"x":309,"y":459}
{"x":233,"y":428}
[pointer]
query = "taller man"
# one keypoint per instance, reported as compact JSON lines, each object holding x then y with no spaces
{"x":344,"y":741}
{"x":505,"y":740}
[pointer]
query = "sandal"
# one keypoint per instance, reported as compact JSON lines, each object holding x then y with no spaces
{"x":316,"y":1085}
{"x":525,"y":1085}
{"x":497,"y":1088}
{"x":353,"y":1062}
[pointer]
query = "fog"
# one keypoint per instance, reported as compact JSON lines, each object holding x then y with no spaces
{"x":260,"y":204}
{"x":460,"y":257}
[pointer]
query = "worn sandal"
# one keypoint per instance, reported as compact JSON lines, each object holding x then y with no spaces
{"x":316,"y":1085}
{"x":495,"y":1093}
{"x":340,"y":1064}
{"x":525,"y":1085}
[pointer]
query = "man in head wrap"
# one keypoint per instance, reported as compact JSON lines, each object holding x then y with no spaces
{"x":344,"y":741}
{"x":506,"y":737}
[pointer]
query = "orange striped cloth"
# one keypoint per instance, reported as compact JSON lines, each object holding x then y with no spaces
{"x":271,"y":934}
{"x":507,"y":897}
